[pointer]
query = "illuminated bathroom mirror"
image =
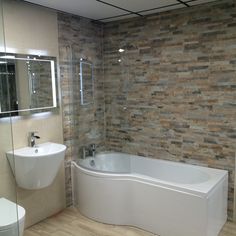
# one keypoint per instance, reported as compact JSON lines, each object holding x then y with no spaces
{"x":86,"y":82}
{"x":26,"y":83}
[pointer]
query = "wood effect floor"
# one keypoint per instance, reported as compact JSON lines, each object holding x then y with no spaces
{"x":71,"y":223}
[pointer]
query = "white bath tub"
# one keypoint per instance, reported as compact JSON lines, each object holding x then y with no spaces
{"x":163,"y":197}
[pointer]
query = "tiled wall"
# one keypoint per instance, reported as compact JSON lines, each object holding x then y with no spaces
{"x":174,"y":87}
{"x":83,"y":125}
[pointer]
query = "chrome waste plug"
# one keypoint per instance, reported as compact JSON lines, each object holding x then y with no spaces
{"x":92,"y":163}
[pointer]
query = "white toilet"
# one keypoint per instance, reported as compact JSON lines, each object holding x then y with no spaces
{"x":12,"y":218}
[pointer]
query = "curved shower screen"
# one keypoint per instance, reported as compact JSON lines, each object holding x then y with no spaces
{"x":7,"y":183}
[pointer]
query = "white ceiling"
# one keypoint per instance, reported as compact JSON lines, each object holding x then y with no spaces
{"x":110,"y":10}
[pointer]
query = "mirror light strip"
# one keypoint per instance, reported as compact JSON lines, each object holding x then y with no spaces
{"x":53,"y":84}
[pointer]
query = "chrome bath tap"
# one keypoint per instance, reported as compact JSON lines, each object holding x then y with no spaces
{"x":87,"y":151}
{"x":93,"y":149}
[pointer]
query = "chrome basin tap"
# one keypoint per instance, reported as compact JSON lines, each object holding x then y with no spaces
{"x":32,"y":138}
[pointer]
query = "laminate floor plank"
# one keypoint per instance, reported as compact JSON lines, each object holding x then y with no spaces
{"x":71,"y":223}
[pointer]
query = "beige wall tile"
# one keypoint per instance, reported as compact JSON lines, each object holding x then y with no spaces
{"x":31,"y":29}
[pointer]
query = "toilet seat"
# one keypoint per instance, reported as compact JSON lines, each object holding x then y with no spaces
{"x":10,"y":214}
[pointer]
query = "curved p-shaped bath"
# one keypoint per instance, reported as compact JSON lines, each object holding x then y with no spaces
{"x":163,"y":197}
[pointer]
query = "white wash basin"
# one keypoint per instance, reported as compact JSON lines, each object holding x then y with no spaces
{"x":36,"y":167}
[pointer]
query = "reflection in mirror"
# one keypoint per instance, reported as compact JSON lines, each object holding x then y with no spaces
{"x":8,"y":93}
{"x":26,"y":83}
{"x":86,"y":82}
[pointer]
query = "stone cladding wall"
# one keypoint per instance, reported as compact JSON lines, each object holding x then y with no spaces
{"x":172,"y":93}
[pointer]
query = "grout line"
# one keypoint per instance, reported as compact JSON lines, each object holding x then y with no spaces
{"x":112,"y":17}
{"x":109,"y":4}
{"x":179,"y":2}
{"x":151,"y":9}
{"x":184,"y":3}
{"x":156,"y":8}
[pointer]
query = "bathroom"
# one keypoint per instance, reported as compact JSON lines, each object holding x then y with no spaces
{"x":150,"y":81}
